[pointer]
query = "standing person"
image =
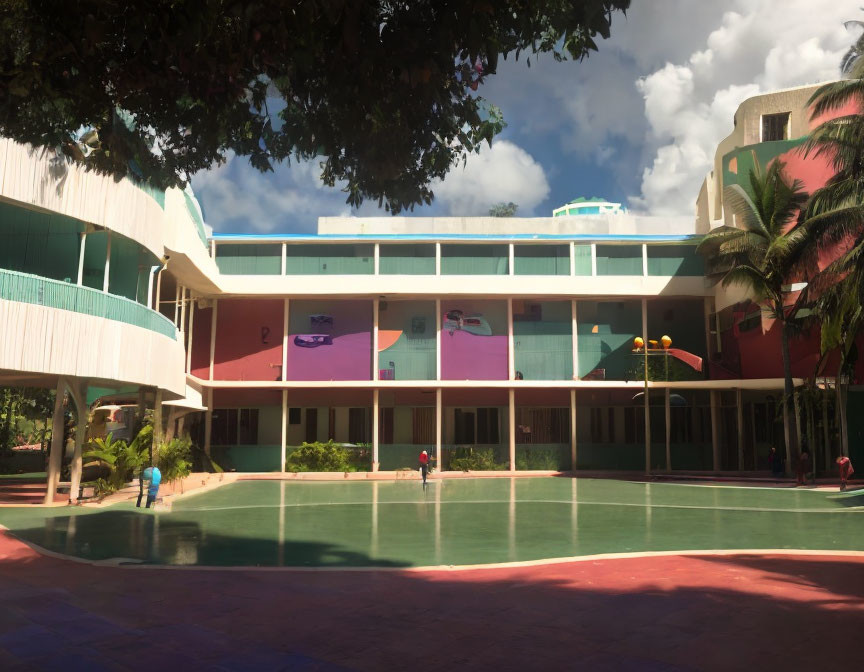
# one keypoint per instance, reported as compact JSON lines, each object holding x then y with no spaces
{"x":803,"y":467}
{"x":846,"y":471}
{"x":424,"y":465}
{"x":153,"y":475}
{"x":775,"y":461}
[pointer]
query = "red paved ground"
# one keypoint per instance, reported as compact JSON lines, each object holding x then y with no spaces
{"x":663,"y":613}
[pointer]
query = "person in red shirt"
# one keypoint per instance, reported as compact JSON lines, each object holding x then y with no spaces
{"x":846,"y":471}
{"x":424,"y":465}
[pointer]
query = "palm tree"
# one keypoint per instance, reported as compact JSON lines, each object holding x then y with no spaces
{"x":761,"y":254}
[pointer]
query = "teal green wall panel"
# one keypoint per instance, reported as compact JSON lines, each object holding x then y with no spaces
{"x":613,"y":457}
{"x":129,"y":265}
{"x":541,"y":259}
{"x":542,"y":339}
{"x":264,"y":259}
{"x":406,"y":259}
{"x":393,"y":456}
{"x":606,"y":331}
{"x":582,"y":258}
{"x":330,"y":260}
{"x":95,"y":251}
{"x":39,"y":243}
{"x":674,"y":260}
{"x":475,"y":259}
{"x":412,"y":356}
{"x":619,"y":260}
{"x":247,"y":458}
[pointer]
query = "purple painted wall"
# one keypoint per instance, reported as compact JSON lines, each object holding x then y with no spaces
{"x":471,"y":356}
{"x":347,"y":354}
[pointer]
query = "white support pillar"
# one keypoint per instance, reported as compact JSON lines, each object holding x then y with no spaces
{"x":375,"y":429}
{"x":191,"y":334}
{"x":81,"y":252}
{"x":511,"y":357}
{"x":154,"y":270}
{"x":512,"y":260}
{"x":212,"y":249}
{"x":572,"y":247}
{"x":437,"y":258}
{"x":439,"y":415}
{"x":377,"y":259}
{"x":574,"y":338}
{"x":158,"y":299}
{"x":593,"y":259}
{"x":106,"y":278}
{"x":573,"y":455}
{"x":437,"y":339}
{"x":208,"y":421}
{"x":668,"y":430}
{"x":739,"y":408}
{"x":213,"y":336}
{"x":646,"y":400}
{"x":644,"y":259}
{"x":177,"y":306}
{"x":283,"y":265}
{"x":183,"y":310}
{"x":55,"y":457}
{"x":715,"y":430}
{"x":79,"y":397}
{"x":376,"y":305}
{"x":284,"y":429}
{"x":286,"y":314}
{"x":511,"y":421}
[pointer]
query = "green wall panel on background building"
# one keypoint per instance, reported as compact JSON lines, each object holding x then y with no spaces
{"x":619,"y":260}
{"x":541,"y":259}
{"x":406,"y":259}
{"x":265,"y":259}
{"x":130,"y":263}
{"x":406,"y":340}
{"x":582,"y":259}
{"x":475,"y":259}
{"x":329,"y":260}
{"x":39,"y":243}
{"x":542,"y":339}
{"x":675,"y":260}
{"x":248,"y":458}
{"x":396,"y":456}
{"x":606,"y":330}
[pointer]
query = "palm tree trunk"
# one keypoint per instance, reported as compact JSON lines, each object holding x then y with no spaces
{"x":788,"y":396}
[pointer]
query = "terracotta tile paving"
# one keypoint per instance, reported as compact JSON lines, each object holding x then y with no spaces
{"x":649,"y":614}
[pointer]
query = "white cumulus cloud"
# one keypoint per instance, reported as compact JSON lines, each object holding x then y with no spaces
{"x":504,"y":172}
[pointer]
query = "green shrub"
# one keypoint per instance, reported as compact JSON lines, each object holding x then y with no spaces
{"x":175,"y":459}
{"x":328,"y":456}
{"x":475,"y":459}
{"x":546,"y":458}
{"x":120,"y":459}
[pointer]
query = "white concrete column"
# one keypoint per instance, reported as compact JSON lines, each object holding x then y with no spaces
{"x":572,"y":247}
{"x":375,"y":309}
{"x":284,"y":429}
{"x":81,"y":251}
{"x":191,"y":334}
{"x":439,"y":413}
{"x":55,"y":457}
{"x":715,"y":430}
{"x":106,"y":277}
{"x":286,"y":314}
{"x":158,"y":299}
{"x":646,"y":400}
{"x":644,"y":259}
{"x":213,"y":336}
{"x":183,"y":312}
{"x":575,"y":338}
{"x":511,"y":355}
{"x":377,"y":259}
{"x":208,"y":421}
{"x":739,"y":404}
{"x":511,"y":421}
{"x":437,"y":258}
{"x":283,"y":265}
{"x":511,"y":249}
{"x":79,"y":397}
{"x":573,"y":456}
{"x":593,"y":258}
{"x":668,"y":429}
{"x":375,"y":429}
{"x":177,"y":306}
{"x":437,"y":339}
{"x":212,"y":249}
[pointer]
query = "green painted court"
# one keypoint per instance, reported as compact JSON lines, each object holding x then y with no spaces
{"x":455,"y":522}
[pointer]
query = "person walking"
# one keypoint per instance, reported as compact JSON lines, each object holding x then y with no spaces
{"x":775,"y":461}
{"x":803,"y":467}
{"x":424,"y":465}
{"x":153,"y":475}
{"x":845,"y":466}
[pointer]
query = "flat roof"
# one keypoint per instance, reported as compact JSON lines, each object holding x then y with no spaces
{"x":432,"y":237}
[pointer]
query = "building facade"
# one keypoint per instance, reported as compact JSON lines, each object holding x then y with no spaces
{"x":514,"y":336}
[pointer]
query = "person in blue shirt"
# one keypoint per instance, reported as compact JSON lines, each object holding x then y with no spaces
{"x":153,"y":475}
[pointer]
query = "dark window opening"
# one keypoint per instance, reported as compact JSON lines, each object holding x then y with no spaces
{"x":294,"y":416}
{"x":775,"y":127}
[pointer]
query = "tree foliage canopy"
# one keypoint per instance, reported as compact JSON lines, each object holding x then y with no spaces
{"x":383,"y":90}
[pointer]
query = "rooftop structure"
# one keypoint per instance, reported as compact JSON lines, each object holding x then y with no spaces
{"x":587,"y":206}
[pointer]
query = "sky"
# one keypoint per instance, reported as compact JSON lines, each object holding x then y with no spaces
{"x":636,"y":122}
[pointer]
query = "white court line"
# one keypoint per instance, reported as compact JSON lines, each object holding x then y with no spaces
{"x":525,"y":501}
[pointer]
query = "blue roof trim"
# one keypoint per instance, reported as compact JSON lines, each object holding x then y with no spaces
{"x":360,"y":238}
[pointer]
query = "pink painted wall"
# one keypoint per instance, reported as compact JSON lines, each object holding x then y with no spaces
{"x":248,"y":339}
{"x":201,"y":343}
{"x":469,"y":356}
